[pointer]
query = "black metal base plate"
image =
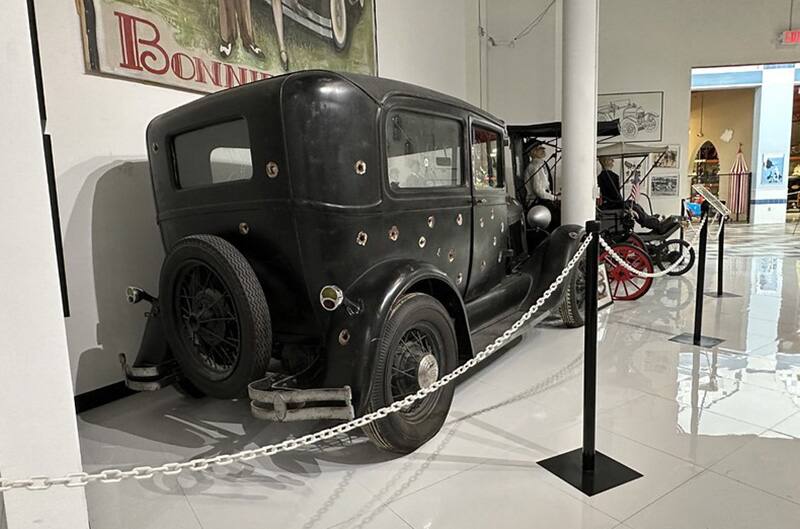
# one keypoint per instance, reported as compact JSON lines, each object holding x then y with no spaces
{"x":713,"y":294}
{"x":607,"y":474}
{"x":688,"y":339}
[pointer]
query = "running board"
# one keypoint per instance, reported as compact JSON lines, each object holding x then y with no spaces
{"x":290,"y":405}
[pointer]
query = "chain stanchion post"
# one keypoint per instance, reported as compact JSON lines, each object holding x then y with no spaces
{"x":720,"y":255}
{"x":585,"y":468}
{"x":697,"y":338}
{"x":720,"y":293}
{"x":701,"y":278}
{"x":590,"y":347}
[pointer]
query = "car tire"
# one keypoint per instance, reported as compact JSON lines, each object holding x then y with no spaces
{"x":573,"y":306}
{"x":421,"y":318}
{"x":666,"y":257}
{"x":215,"y":315}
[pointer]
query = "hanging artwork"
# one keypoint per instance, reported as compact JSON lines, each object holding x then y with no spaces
{"x":772,"y":173}
{"x":664,"y":185}
{"x":666,"y":160}
{"x":208,"y":45}
{"x":633,"y":168}
{"x":639,"y":114}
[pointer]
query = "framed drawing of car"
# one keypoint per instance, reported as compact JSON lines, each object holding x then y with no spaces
{"x":639,"y":114}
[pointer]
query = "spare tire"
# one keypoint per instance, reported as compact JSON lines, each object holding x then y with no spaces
{"x":215,"y":315}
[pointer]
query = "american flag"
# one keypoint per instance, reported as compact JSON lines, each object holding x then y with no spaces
{"x":738,"y":192}
{"x":635,"y":187}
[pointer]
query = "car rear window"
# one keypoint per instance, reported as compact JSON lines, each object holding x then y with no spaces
{"x":423,"y":150}
{"x":216,"y":154}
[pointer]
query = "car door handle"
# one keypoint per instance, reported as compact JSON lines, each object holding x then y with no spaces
{"x":477,"y":201}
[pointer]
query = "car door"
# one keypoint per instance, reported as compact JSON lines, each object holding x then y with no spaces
{"x":489,"y":229}
{"x":428,"y":202}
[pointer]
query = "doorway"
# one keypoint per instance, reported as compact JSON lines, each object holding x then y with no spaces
{"x":721,"y":127}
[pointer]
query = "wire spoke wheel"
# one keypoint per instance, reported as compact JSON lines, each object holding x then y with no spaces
{"x":624,"y":284}
{"x":209,"y":325}
{"x":415,"y":365}
{"x":672,"y":251}
{"x":215,"y":316}
{"x":418,"y":345}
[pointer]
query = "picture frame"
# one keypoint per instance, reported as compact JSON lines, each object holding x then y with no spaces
{"x":639,"y":114}
{"x":773,"y":169}
{"x":604,"y":298}
{"x":671,"y":159}
{"x":664,"y":185}
{"x":194,"y":46}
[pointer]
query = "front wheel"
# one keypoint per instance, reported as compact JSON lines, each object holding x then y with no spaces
{"x":573,"y":306}
{"x":417,"y":346}
{"x":673,"y":250}
{"x":626,"y":285}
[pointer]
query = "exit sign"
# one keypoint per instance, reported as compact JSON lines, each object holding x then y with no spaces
{"x":790,"y":37}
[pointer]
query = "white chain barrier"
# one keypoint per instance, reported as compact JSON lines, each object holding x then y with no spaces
{"x":114,"y":475}
{"x":640,"y":273}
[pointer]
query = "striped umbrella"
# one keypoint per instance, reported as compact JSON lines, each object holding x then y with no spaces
{"x":738,"y":191}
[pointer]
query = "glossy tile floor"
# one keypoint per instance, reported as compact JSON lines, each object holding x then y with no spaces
{"x":716,"y":432}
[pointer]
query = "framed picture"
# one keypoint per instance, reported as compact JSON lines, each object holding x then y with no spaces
{"x":604,"y":298}
{"x":633,"y":168}
{"x":666,"y":160}
{"x":773,"y":171}
{"x":639,"y":114}
{"x":664,"y":185}
{"x":209,"y":45}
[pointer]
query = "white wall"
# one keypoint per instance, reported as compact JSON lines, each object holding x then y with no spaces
{"x":98,"y":125}
{"x":39,"y":434}
{"x":649,"y":45}
{"x":426,"y":43}
{"x":523,"y":80}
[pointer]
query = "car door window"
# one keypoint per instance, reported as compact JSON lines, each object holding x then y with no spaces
{"x":486,"y":155}
{"x":423,"y":151}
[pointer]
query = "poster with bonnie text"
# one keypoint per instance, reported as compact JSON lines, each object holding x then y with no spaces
{"x":210,"y":45}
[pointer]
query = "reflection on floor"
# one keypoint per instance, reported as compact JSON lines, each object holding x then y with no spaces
{"x":716,"y":433}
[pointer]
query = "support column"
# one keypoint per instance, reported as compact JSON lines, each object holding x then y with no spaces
{"x":579,"y":110}
{"x":39,"y":434}
{"x":772,"y":135}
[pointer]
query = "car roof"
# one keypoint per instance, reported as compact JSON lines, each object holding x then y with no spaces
{"x":378,"y":89}
{"x":381,"y":88}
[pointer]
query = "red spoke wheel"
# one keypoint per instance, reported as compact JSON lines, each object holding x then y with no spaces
{"x":624,"y":284}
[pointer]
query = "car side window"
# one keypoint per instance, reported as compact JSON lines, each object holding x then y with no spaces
{"x":216,"y":154}
{"x":423,"y":150}
{"x":487,"y":151}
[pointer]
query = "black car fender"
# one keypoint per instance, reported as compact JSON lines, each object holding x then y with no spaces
{"x":354,"y":332}
{"x":549,"y":259}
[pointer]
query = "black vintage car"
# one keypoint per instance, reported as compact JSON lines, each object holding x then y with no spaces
{"x":360,"y":230}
